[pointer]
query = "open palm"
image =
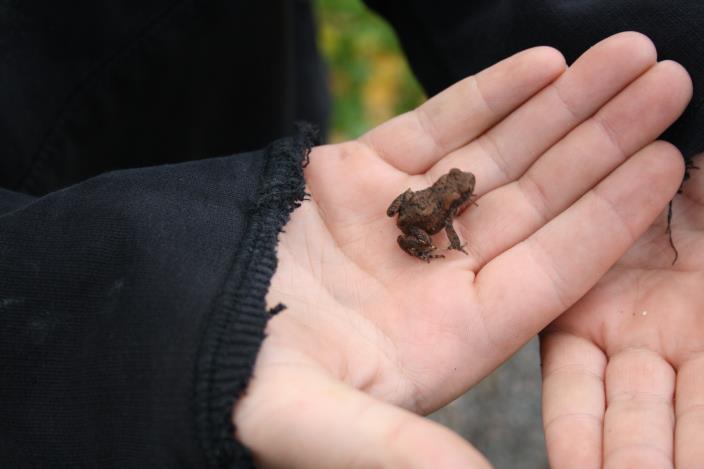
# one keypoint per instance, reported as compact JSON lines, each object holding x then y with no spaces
{"x":624,"y":368}
{"x":567,"y":178}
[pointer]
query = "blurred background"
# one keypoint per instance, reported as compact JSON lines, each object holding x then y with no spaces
{"x":369,"y":77}
{"x":371,"y":82}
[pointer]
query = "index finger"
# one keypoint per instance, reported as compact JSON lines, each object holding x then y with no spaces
{"x":414,"y":141}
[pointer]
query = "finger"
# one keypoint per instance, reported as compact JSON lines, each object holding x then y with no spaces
{"x":414,"y":141}
{"x":626,"y":124}
{"x":689,"y":451}
{"x":507,"y":150}
{"x":573,"y":400}
{"x":320,"y":422}
{"x":639,"y":420}
{"x":537,"y":279}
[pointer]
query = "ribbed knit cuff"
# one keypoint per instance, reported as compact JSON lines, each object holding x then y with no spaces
{"x":235,"y":329}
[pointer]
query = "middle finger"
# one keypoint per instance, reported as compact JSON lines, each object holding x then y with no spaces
{"x":639,"y":420}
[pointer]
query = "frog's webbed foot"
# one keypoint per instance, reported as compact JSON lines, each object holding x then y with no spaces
{"x":427,"y":256}
{"x":454,"y":239}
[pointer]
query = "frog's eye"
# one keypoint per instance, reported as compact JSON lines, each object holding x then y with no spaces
{"x":449,"y":199}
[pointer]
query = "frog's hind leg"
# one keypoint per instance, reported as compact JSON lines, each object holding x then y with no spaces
{"x":419,"y":244}
{"x":454,"y":238}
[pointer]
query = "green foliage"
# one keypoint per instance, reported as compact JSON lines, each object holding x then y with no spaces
{"x":370,"y":79}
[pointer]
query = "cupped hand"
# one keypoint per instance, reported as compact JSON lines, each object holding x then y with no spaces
{"x":624,"y":368}
{"x":567,"y":178}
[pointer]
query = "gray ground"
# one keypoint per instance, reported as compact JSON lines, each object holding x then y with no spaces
{"x":501,"y":415}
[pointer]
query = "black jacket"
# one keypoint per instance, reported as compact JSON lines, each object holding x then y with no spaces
{"x":132,"y":303}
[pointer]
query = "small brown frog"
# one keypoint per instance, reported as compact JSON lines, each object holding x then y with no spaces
{"x":426,"y":212}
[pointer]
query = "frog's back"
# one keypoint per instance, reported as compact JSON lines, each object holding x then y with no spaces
{"x":422,"y":211}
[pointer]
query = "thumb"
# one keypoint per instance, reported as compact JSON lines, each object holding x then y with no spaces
{"x":307,"y":419}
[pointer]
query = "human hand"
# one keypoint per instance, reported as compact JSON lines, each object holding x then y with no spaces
{"x":624,"y":368}
{"x":566,"y":179}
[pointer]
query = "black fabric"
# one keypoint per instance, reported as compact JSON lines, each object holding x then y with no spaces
{"x":449,"y":40}
{"x":89,"y":86}
{"x":132,"y":309}
{"x":132,"y":304}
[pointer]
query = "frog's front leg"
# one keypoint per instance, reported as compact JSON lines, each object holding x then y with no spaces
{"x":418,"y":244}
{"x":398,"y":201}
{"x":454,"y":238}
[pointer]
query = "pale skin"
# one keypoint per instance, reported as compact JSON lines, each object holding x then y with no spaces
{"x":624,"y":367}
{"x":568,"y":177}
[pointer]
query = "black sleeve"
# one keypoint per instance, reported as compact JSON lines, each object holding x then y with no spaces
{"x":90,"y":86}
{"x":448,"y":40}
{"x":132,"y":308}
